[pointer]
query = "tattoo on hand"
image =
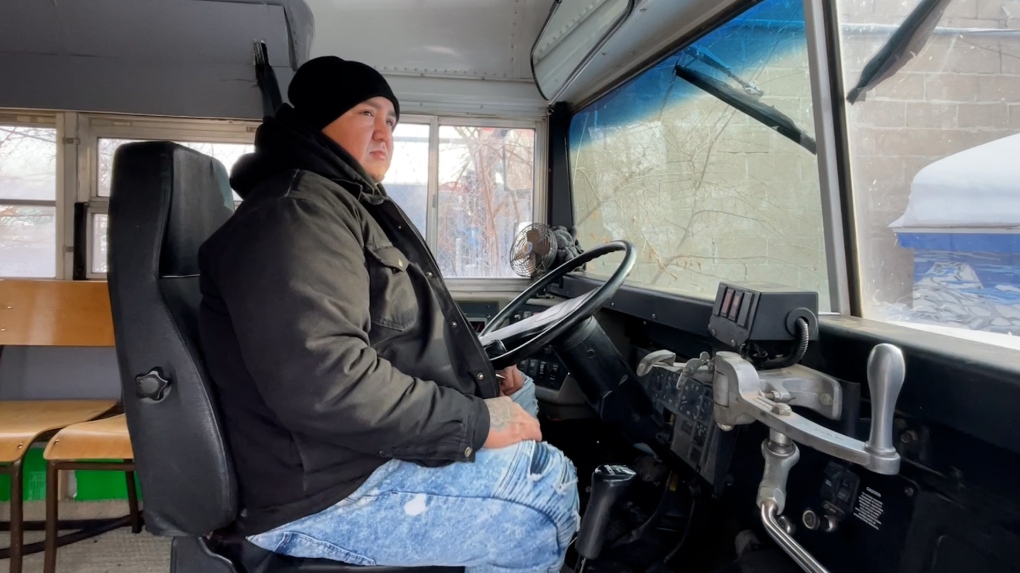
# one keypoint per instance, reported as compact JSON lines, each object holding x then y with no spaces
{"x":500,"y":413}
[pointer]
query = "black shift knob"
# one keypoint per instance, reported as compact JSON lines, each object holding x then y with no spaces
{"x":608,"y":483}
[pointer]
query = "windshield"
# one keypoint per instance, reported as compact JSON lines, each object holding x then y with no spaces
{"x":704,"y":190}
{"x":934,"y":150}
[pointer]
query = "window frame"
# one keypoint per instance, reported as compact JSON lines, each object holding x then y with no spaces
{"x":53,"y":120}
{"x":539,"y":193}
{"x":660,"y":309}
{"x":837,"y":202}
{"x":93,"y":127}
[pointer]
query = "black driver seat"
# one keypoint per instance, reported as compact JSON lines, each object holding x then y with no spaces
{"x":166,"y":200}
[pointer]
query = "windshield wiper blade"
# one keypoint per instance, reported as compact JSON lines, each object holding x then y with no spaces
{"x":767,"y":115}
{"x":906,"y":42}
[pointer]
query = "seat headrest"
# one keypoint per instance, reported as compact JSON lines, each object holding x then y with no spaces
{"x":194,"y":212}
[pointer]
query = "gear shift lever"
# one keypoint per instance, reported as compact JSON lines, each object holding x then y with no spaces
{"x":608,"y":483}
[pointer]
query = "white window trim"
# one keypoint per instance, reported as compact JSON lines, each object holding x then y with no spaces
{"x":36,"y":118}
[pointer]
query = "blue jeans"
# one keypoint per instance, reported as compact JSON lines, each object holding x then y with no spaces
{"x":514,"y":509}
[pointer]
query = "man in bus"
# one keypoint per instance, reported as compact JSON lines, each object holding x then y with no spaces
{"x":365,"y":419}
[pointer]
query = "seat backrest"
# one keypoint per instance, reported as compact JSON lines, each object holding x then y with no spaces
{"x":165,"y":201}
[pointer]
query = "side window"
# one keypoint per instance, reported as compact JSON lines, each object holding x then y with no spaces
{"x":934,"y":150}
{"x":28,"y":201}
{"x":407,"y":181}
{"x":486,"y":192}
{"x":706,"y":162}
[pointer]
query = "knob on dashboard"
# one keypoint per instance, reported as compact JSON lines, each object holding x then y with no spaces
{"x":814,"y":522}
{"x":886,"y":371}
{"x":810,"y":519}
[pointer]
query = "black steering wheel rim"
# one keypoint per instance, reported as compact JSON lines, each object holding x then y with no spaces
{"x":595,"y":301}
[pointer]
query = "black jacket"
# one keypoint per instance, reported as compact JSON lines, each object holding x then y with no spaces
{"x":332,"y":340}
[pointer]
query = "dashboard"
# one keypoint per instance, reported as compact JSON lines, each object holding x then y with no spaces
{"x":554,"y":386}
{"x":728,"y":413}
{"x":837,"y":507}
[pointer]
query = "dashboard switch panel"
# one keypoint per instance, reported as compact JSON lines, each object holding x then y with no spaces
{"x":697,"y":440}
{"x":546,"y":369}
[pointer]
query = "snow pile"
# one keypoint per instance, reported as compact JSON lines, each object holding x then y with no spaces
{"x":979,"y":187}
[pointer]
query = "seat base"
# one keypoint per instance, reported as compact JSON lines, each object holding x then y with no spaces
{"x":200,"y":555}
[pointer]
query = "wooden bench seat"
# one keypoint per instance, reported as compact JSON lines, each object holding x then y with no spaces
{"x":22,"y":423}
{"x":61,"y":314}
{"x":103,"y":439}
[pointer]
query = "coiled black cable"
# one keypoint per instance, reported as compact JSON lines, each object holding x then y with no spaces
{"x":803,"y":330}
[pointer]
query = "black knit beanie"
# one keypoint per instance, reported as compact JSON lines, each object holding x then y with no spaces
{"x":324,"y":88}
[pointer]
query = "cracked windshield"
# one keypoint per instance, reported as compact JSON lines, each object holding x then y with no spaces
{"x":933,"y":113}
{"x":706,"y":162}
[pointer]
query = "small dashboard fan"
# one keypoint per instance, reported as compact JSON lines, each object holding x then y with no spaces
{"x":539,"y":248}
{"x":534,"y":250}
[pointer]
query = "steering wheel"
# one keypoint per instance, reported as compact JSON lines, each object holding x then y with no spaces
{"x":542,"y":328}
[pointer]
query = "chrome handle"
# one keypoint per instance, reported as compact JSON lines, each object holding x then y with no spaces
{"x":781,"y":537}
{"x":886,"y":371}
{"x":740,"y":398}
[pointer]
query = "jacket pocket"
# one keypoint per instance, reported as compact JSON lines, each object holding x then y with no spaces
{"x":393,"y":302}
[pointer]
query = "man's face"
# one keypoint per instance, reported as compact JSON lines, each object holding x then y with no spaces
{"x":366,"y":132}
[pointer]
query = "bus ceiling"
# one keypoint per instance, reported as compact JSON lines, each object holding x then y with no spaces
{"x":194,"y":58}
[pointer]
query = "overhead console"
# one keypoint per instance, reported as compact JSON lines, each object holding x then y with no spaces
{"x":148,"y":57}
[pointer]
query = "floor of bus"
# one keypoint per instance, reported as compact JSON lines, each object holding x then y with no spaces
{"x":117,"y":551}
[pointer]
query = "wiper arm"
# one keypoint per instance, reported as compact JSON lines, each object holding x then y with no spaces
{"x":767,"y":115}
{"x":711,"y":59}
{"x":906,"y":42}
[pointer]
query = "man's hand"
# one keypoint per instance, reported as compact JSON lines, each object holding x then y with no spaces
{"x":510,"y":380}
{"x":509,"y":424}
